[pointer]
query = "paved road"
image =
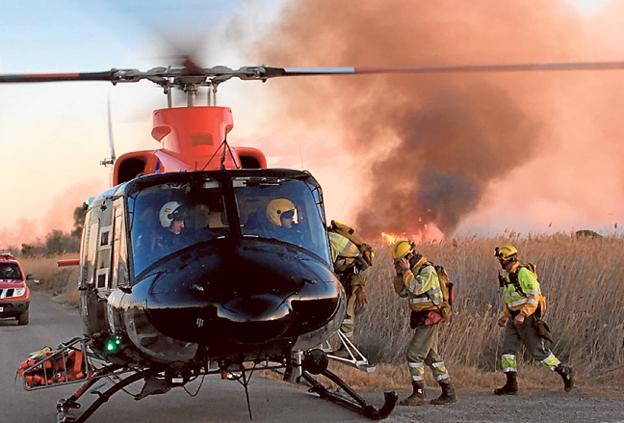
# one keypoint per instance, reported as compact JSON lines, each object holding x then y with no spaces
{"x":224,"y":401}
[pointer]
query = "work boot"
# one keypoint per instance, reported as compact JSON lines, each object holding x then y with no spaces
{"x":447,"y":396}
{"x":567,"y":374}
{"x":418,"y":396}
{"x":510,"y":388}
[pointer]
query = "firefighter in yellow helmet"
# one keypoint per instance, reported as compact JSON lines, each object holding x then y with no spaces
{"x":350,"y":256}
{"x":416,"y":279}
{"x":524,"y":306}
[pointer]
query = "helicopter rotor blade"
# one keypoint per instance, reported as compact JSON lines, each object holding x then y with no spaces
{"x":263,"y":73}
{"x":113,"y":75}
{"x":191,"y":73}
{"x":53,"y":77}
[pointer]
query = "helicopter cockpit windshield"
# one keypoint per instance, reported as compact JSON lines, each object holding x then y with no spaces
{"x":171,"y":216}
{"x":284,"y":209}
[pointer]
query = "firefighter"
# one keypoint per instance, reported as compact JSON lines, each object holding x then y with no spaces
{"x":523,"y":308}
{"x":350,"y":257}
{"x":416,"y":279}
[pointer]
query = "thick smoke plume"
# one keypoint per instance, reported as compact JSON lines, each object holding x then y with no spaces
{"x":427,"y":146}
{"x":58,"y":216}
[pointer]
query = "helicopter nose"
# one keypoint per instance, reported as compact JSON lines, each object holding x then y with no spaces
{"x":257,"y":318}
{"x":256,"y":294}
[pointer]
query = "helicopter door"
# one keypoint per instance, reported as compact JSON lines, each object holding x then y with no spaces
{"x":119,"y":249}
{"x":104,"y":249}
{"x":89,"y":241}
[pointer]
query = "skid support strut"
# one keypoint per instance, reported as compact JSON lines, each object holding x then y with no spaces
{"x":64,"y":406}
{"x":355,"y":402}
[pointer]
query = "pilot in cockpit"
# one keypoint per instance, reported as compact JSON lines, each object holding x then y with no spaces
{"x":172,"y":215}
{"x":283,"y":221}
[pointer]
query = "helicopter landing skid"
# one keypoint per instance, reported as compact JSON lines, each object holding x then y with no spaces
{"x":355,"y":402}
{"x":352,"y":356}
{"x":64,"y":406}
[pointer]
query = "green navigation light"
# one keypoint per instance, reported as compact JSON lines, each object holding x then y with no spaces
{"x":111,"y":345}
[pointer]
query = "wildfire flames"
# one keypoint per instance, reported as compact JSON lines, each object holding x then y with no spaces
{"x":428,"y":233}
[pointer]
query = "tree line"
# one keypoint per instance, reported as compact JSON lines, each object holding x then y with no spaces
{"x":57,"y":242}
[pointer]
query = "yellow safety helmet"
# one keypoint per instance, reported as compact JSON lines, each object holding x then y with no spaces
{"x":401,"y":249}
{"x":506,"y":252}
{"x":276,"y":208}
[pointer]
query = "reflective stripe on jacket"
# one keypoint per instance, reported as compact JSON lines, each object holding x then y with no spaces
{"x":344,"y":252}
{"x":514,"y":300}
{"x":423,"y":287}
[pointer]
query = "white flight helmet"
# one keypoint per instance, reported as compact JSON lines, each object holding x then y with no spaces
{"x":170,"y":211}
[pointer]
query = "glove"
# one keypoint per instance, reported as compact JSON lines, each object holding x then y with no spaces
{"x":368,"y":254}
{"x":502,"y":321}
{"x":501,"y":280}
{"x":519,"y":319}
{"x":397,"y":269}
{"x":433,"y":318}
{"x":360,"y":299}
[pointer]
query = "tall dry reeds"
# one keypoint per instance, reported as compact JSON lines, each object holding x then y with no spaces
{"x":52,"y":279}
{"x":581,"y":278}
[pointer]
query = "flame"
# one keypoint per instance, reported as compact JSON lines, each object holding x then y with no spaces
{"x":427,"y":233}
{"x":390,"y":238}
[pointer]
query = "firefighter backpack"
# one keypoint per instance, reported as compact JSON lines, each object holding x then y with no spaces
{"x":448,"y":293}
{"x":348,"y":232}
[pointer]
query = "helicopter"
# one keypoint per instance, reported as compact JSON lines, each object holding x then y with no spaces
{"x":246,"y":284}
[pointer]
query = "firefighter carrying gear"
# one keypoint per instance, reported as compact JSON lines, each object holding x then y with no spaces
{"x":418,"y":280}
{"x":350,"y":256}
{"x":522,"y":297}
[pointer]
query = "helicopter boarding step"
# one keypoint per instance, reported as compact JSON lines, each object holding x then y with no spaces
{"x":48,"y":367}
{"x":353,"y":356}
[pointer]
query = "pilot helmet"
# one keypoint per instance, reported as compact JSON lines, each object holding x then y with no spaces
{"x":170,"y":211}
{"x":278,"y":208}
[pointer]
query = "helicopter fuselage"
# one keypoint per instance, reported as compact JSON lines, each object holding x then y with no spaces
{"x":226,"y":288}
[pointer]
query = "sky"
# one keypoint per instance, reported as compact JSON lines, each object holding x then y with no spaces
{"x":53,"y":136}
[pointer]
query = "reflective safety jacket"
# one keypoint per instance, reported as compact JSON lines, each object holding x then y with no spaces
{"x":344,"y":252}
{"x":422,"y":286}
{"x":526,"y":296}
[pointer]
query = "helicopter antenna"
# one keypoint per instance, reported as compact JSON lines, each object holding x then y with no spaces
{"x":111,"y":144}
{"x":227,"y":149}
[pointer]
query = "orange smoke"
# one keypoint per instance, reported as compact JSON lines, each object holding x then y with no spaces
{"x":58,"y":216}
{"x":430,"y":150}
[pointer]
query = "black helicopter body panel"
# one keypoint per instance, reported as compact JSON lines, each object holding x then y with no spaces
{"x":227,"y":294}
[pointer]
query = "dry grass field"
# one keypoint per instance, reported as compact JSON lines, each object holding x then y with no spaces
{"x":60,"y":282}
{"x":582,"y":279}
